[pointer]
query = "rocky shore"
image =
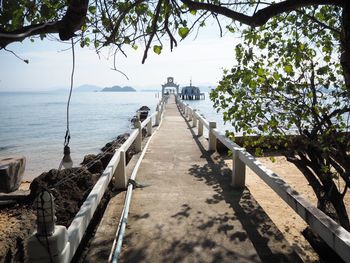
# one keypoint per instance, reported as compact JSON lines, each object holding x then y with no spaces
{"x":70,"y":187}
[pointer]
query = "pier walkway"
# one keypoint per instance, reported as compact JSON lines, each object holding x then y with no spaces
{"x":187,"y":211}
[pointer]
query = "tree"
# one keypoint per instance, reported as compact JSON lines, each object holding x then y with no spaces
{"x":111,"y":22}
{"x":288,"y":80}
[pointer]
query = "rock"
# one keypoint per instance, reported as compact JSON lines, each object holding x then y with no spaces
{"x":11,"y":173}
{"x":96,"y":167}
{"x":144,"y":108}
{"x":88,"y":158}
{"x":105,"y":158}
{"x":143,"y":112}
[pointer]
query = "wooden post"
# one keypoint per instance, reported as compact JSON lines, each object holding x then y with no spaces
{"x":119,"y":173}
{"x":194,"y":118}
{"x":212,"y":138}
{"x":200,"y":128}
{"x":149,"y":127}
{"x":138,"y":140}
{"x":238,"y":171}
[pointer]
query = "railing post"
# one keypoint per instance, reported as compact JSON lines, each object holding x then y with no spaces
{"x":194,"y":118}
{"x":212,"y":138}
{"x":47,"y":235}
{"x":157,"y":115}
{"x":138,"y":140}
{"x":187,"y":111}
{"x":200,"y":128}
{"x":238,"y":171}
{"x":190,"y":115}
{"x":119,"y":173}
{"x":149,"y":127}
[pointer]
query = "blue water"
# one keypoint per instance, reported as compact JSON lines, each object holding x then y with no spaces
{"x":34,"y":125}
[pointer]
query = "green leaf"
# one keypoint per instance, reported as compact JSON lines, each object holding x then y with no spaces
{"x":157,"y":49}
{"x":92,"y":9}
{"x":288,"y":69}
{"x":183,"y":32}
{"x":276,"y":76}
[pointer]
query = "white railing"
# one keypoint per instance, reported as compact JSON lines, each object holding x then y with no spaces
{"x":115,"y":168}
{"x":330,"y":231}
{"x":63,"y":243}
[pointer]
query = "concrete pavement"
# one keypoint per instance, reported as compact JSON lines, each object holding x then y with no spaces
{"x":189,"y":213}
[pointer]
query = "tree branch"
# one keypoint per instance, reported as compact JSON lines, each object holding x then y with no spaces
{"x":153,"y":32}
{"x":264,"y":14}
{"x":66,"y":27}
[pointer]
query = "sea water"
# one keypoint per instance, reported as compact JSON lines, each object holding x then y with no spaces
{"x":34,"y":124}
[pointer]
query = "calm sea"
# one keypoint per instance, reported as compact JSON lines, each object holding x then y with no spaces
{"x":34,"y":125}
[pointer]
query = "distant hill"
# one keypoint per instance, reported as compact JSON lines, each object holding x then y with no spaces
{"x":118,"y":89}
{"x":87,"y":88}
{"x":151,"y":90}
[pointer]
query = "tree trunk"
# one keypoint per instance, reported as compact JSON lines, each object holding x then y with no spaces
{"x":337,"y":201}
{"x":330,"y":200}
{"x":345,"y":44}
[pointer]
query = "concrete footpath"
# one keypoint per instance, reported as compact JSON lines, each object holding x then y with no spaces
{"x":189,"y":213}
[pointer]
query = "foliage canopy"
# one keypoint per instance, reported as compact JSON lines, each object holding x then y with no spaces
{"x":288,"y":80}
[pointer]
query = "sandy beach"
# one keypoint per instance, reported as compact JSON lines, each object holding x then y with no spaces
{"x":288,"y":222}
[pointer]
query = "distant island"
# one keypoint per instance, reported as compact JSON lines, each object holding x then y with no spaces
{"x":118,"y":89}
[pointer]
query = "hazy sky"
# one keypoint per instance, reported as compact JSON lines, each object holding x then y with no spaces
{"x":49,"y":68}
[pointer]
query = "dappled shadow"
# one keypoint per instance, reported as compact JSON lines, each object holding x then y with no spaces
{"x":139,"y":217}
{"x":266,"y":238}
{"x":185,"y":208}
{"x":227,"y":225}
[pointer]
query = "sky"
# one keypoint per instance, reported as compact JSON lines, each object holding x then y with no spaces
{"x":202,"y":60}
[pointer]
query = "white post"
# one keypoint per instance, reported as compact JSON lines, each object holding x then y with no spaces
{"x":190,"y":115}
{"x":194,"y":118}
{"x":187,"y":110}
{"x":149,"y":127}
{"x":119,"y":173}
{"x":138,"y":140}
{"x":238,"y":171}
{"x":157,"y":115}
{"x":49,"y":243}
{"x":212,"y":138}
{"x":200,"y":128}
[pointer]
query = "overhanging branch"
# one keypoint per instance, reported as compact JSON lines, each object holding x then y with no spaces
{"x":66,"y":27}
{"x":264,"y":14}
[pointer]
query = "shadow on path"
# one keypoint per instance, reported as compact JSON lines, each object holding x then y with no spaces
{"x":266,"y":238}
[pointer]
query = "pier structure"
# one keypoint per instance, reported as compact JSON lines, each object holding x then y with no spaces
{"x":183,"y":204}
{"x":191,"y":93}
{"x":170,"y":87}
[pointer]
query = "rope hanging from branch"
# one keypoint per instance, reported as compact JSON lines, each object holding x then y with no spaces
{"x":66,"y":150}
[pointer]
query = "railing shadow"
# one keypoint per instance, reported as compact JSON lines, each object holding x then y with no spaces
{"x":266,"y":238}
